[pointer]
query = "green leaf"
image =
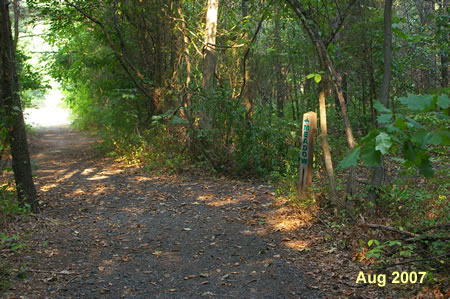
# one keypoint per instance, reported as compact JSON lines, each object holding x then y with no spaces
{"x":310,"y":76}
{"x":422,"y":139}
{"x":371,"y":135}
{"x":443,"y":101}
{"x":408,"y":151}
{"x":384,"y":118}
{"x":399,"y":33}
{"x":371,"y":158}
{"x":381,"y":108}
{"x":445,"y":137}
{"x":412,"y":123}
{"x":350,"y":160}
{"x":436,"y":139}
{"x":401,"y":124}
{"x":176,"y":120}
{"x":384,"y":142}
{"x":425,"y":167}
{"x":418,"y":102}
{"x":317,"y":78}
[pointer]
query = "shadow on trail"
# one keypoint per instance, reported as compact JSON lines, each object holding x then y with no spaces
{"x":112,"y":232}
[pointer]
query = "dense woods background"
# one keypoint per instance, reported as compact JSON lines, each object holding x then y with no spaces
{"x":222,"y":86}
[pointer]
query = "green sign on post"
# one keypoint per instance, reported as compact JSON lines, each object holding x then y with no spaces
{"x":307,"y":152}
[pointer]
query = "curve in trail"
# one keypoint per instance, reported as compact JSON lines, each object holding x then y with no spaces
{"x":109,"y":231}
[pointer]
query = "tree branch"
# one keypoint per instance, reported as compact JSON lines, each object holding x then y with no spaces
{"x":341,"y":21}
{"x":118,"y":55}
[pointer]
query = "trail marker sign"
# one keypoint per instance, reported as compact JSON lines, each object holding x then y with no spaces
{"x":307,"y":152}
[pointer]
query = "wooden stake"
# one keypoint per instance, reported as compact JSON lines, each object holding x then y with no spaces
{"x":307,"y":152}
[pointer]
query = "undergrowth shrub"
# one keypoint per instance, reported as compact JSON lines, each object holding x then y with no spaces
{"x":10,"y":208}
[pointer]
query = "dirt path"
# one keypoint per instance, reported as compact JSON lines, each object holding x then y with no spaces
{"x":108,"y":231}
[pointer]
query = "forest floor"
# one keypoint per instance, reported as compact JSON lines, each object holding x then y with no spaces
{"x":108,"y":230}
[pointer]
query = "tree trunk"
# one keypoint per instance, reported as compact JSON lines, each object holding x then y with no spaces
{"x":444,"y":71}
{"x":248,"y":101}
{"x":10,"y":103}
{"x":16,"y":9}
{"x":294,"y":82}
{"x":209,"y":59}
{"x":350,"y":188}
{"x":324,"y":141}
{"x":379,"y":172}
{"x":277,"y":62}
{"x":442,"y":29}
{"x":187,"y":98}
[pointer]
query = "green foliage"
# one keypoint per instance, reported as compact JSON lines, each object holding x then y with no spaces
{"x":5,"y":272}
{"x":11,"y":242}
{"x":32,"y":83}
{"x":9,"y":206}
{"x":405,"y":134}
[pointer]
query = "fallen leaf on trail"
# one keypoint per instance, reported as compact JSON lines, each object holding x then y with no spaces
{"x":52,"y":278}
{"x":187,"y":229}
{"x":157,"y":253}
{"x":204,"y":275}
{"x":172,"y":290}
{"x":208,"y":294}
{"x":126,"y":259}
{"x":65,"y":272}
{"x":190,"y":277}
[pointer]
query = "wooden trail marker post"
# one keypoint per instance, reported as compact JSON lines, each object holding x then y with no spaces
{"x":307,"y":152}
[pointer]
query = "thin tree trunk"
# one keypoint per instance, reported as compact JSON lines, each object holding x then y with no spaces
{"x":442,"y":37}
{"x":444,"y":71}
{"x":248,"y":101}
{"x":10,"y":100}
{"x":294,"y":78}
{"x":363,"y":104}
{"x":187,"y":99}
{"x":324,"y":140}
{"x":379,"y":172}
{"x":16,"y":25}
{"x":350,"y":188}
{"x":278,"y":73}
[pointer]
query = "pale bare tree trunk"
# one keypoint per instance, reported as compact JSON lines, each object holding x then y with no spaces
{"x":379,"y":172}
{"x":324,"y":140}
{"x":209,"y":59}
